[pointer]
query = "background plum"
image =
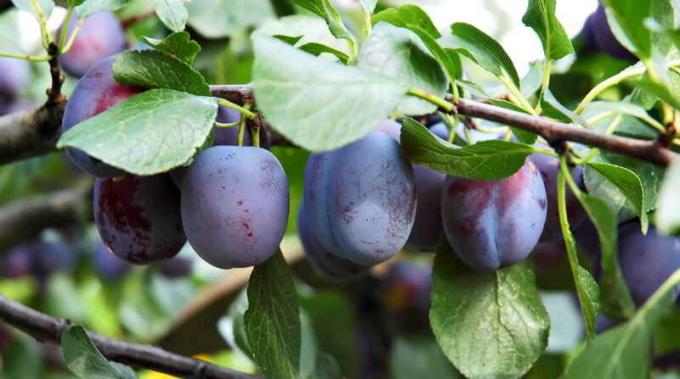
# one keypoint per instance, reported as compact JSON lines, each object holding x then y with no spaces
{"x":321,"y":259}
{"x":100,"y":36}
{"x":18,"y":262}
{"x":548,"y":167}
{"x":492,"y":224}
{"x":176,"y":267}
{"x":139,"y":217}
{"x":406,"y":287}
{"x":229,"y":136}
{"x":38,"y":259}
{"x":646,"y":260}
{"x":361,"y":199}
{"x":107,"y":265}
{"x":235,"y":205}
{"x":603,"y":38}
{"x":14,"y":78}
{"x":96,"y":92}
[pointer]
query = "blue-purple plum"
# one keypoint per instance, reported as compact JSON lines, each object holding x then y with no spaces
{"x":391,"y":128}
{"x":100,"y":36}
{"x":14,"y":78}
{"x":18,"y":261}
{"x":235,"y":205}
{"x":107,"y":265}
{"x":603,"y":37}
{"x":175,"y":268}
{"x":138,"y":217}
{"x":440,"y":130}
{"x":361,"y":199}
{"x":53,"y":256}
{"x":321,"y":259}
{"x":549,"y":167}
{"x":229,"y":136}
{"x":406,"y":287}
{"x":96,"y":92}
{"x":646,"y":260}
{"x":494,"y":223}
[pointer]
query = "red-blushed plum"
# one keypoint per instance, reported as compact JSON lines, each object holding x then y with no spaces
{"x":138,"y":217}
{"x":360,"y":200}
{"x":96,"y":92}
{"x":15,"y":76}
{"x":549,"y":167}
{"x":107,"y":265}
{"x":322,"y":260}
{"x":100,"y":36}
{"x":494,"y":223}
{"x":646,"y":260}
{"x":235,"y":205}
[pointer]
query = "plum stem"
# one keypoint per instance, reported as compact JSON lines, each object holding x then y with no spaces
{"x":64,"y":28}
{"x":243,"y":110}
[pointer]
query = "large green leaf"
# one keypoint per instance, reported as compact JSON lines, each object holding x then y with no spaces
{"x":306,"y":29}
{"x":317,"y":104}
{"x":630,"y":24}
{"x":223,"y":18}
{"x":415,"y":354}
{"x":83,"y":358}
{"x":489,"y":324}
{"x":483,"y":160}
{"x":326,"y":10}
{"x":397,"y":53}
{"x":624,"y":352}
{"x":668,"y":215}
{"x":483,"y":49}
{"x":151,"y":69}
{"x":272,"y":321}
{"x":149,"y":133}
{"x":540,"y":16}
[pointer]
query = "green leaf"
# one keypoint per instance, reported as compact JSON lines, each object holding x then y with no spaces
{"x":668,"y":215}
{"x":624,"y":352}
{"x":629,"y":184}
{"x":223,"y":18}
{"x":326,"y":10}
{"x":540,"y":16}
{"x":368,"y":5}
{"x":272,"y":320}
{"x":447,"y":58}
{"x":309,"y":29}
{"x":629,"y":22}
{"x":616,"y":300}
{"x":489,"y":324}
{"x":83,"y":358}
{"x":620,"y":107}
{"x":522,"y":135}
{"x":172,"y":13}
{"x":179,"y":45}
{"x":318,"y":49}
{"x":150,"y":69}
{"x":27,"y":6}
{"x":415,"y":354}
{"x":407,"y":15}
{"x":317,"y":104}
{"x":484,"y":50}
{"x":659,"y":90}
{"x":491,"y":160}
{"x":89,"y":7}
{"x":397,"y":53}
{"x":147,"y":134}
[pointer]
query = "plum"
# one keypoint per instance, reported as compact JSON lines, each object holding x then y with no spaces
{"x":18,"y":262}
{"x":100,"y":36}
{"x":229,"y":136}
{"x":138,"y":217}
{"x":53,"y":256}
{"x":321,"y":259}
{"x":406,"y":287}
{"x":603,"y":38}
{"x":14,"y":78}
{"x":235,"y":205}
{"x":361,"y":199}
{"x":494,"y":223}
{"x":549,"y":167}
{"x":107,"y":265}
{"x":96,"y":92}
{"x":176,"y":268}
{"x":646,"y":260}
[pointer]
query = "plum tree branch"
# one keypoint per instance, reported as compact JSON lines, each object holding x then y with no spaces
{"x":45,"y":328}
{"x":24,"y":219}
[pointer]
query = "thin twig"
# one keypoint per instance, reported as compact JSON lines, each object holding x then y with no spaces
{"x":45,"y":328}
